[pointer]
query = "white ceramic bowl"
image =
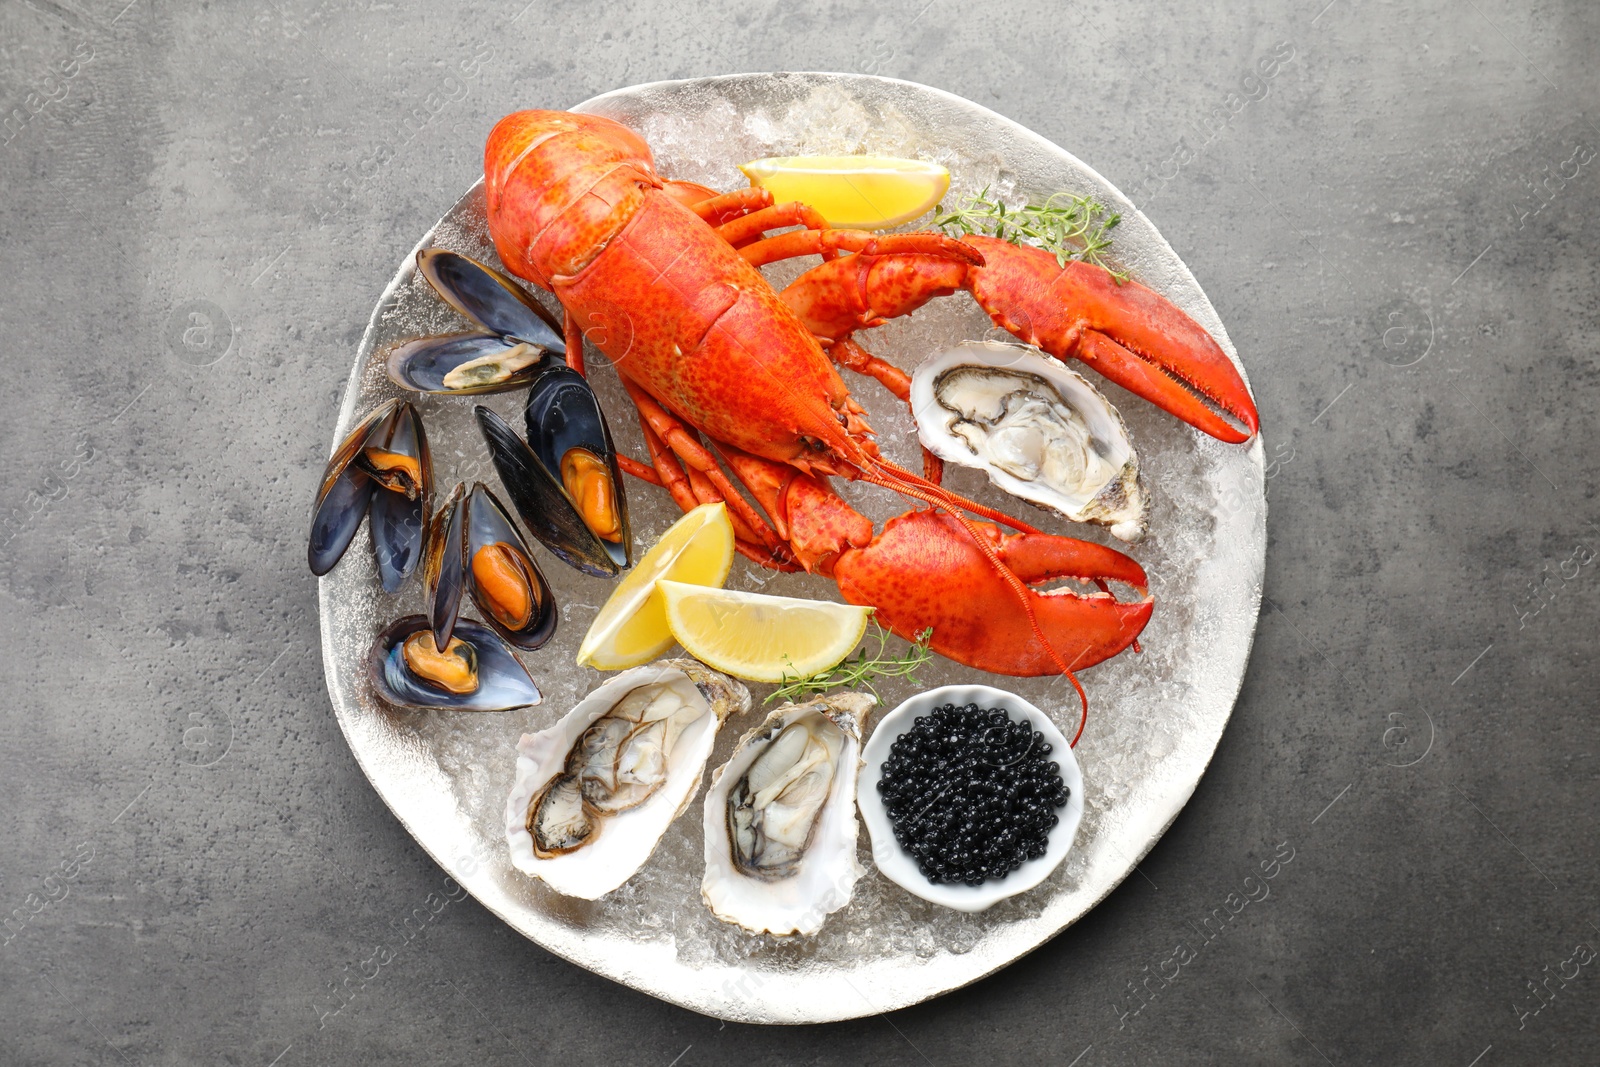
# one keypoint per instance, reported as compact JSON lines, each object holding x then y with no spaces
{"x":893,"y":860}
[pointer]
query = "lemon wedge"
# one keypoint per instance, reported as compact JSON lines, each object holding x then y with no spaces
{"x":853,"y":192}
{"x":632,"y":626}
{"x":761,"y":638}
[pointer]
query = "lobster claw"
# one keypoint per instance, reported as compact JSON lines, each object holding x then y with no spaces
{"x":1129,"y":333}
{"x":924,"y":570}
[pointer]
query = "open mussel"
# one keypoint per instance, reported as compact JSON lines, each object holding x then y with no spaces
{"x":441,"y":660}
{"x":564,"y":480}
{"x":567,"y":430}
{"x":513,"y":333}
{"x":507,"y":586}
{"x":382,"y":468}
{"x":475,"y":549}
{"x":475,"y":671}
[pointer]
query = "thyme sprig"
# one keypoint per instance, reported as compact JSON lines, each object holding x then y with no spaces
{"x":1071,"y":226}
{"x":860,"y":670}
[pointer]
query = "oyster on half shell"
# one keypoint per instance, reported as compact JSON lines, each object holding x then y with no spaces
{"x":1040,"y":431}
{"x":780,"y":822}
{"x":594,"y":793}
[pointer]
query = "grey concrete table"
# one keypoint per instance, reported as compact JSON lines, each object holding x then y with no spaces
{"x":1399,"y":226}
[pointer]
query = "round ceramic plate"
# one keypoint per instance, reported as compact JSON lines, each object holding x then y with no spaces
{"x":1155,"y":718}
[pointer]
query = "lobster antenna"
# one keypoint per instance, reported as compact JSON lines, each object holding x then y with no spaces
{"x":992,"y":514}
{"x":1083,"y":716}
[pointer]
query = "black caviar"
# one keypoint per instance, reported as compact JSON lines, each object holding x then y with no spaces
{"x":971,"y":793}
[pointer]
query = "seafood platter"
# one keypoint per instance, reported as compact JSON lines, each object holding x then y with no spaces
{"x":748,"y":461}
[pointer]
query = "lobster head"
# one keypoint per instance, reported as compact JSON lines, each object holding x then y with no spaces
{"x":558,"y":187}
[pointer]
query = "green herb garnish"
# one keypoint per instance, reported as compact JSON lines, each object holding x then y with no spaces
{"x":859,"y":670}
{"x":1071,"y":226}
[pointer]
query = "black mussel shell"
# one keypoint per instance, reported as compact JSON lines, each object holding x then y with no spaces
{"x":423,"y":365}
{"x":562,"y":413}
{"x":539,"y":498}
{"x":400,"y":522}
{"x":345,"y":492}
{"x":488,"y":524}
{"x":444,"y":572}
{"x":490,"y":299}
{"x":503,"y":682}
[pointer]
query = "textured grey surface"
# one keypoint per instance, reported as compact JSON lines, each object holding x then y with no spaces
{"x":196,"y":870}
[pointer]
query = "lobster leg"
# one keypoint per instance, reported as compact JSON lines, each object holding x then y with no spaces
{"x":1130,"y":334}
{"x":669,"y":472}
{"x":967,"y":605}
{"x":642,"y":471}
{"x":739,"y":231}
{"x":743,"y":214}
{"x":574,"y":338}
{"x":691,"y":474}
{"x":846,"y":353}
{"x":725,"y":207}
{"x":823,"y":242}
{"x":925,"y":570}
{"x":689,"y":492}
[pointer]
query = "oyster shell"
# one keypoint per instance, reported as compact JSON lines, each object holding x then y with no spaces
{"x":594,"y":793}
{"x":780,"y":822}
{"x":1040,"y":431}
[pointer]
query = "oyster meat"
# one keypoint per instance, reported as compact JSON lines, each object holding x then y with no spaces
{"x":780,"y":820}
{"x":1040,"y":431}
{"x":595,"y":792}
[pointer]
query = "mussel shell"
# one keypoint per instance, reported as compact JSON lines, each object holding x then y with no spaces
{"x":563,"y":413}
{"x":490,"y":299}
{"x":486,"y":523}
{"x":445,"y":574}
{"x":421,"y":365}
{"x":537,"y":494}
{"x":345,"y":492}
{"x":503,"y":682}
{"x":399,"y":523}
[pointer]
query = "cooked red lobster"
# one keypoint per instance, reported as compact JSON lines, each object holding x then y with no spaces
{"x":662,"y":277}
